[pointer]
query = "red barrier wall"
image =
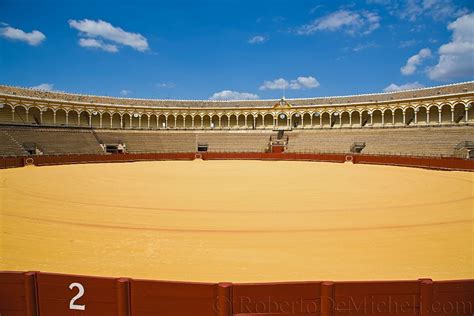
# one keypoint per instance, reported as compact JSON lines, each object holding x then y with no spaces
{"x":407,"y":161}
{"x":40,"y":294}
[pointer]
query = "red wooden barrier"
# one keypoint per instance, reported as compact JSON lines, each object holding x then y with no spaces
{"x":17,"y":294}
{"x":289,"y":299}
{"x":160,"y":298}
{"x":62,"y":295}
{"x":376,"y":298}
{"x":453,"y":298}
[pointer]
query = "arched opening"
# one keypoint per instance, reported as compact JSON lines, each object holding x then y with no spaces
{"x":116,"y":120}
{"x":197,"y":122}
{"x":153,"y":121}
{"x":336,"y":119}
{"x":421,"y":116}
{"x":409,"y":116}
{"x":188,"y":121}
{"x":60,"y":117}
{"x":106,"y":120}
{"x":365,"y":118}
{"x":241,"y":120}
{"x":180,"y":121}
{"x":171,"y":121}
{"x":161,"y":122}
{"x":84,"y":119}
{"x":282,"y":120}
{"x":446,"y":114}
{"x":325,"y":119}
{"x":306,"y":120}
{"x":345,"y":119}
{"x":387,"y":117}
{"x":95,"y":119}
{"x":20,"y":114}
{"x":134,"y":122}
{"x":317,"y":122}
{"x":233,"y":121}
{"x":144,"y":121}
{"x":224,"y":121}
{"x":434,"y":115}
{"x":259,"y":121}
{"x":296,"y":120}
{"x":215,"y":122}
{"x":250,"y":121}
{"x":459,"y":113}
{"x":206,"y":122}
{"x":470,"y":112}
{"x":355,"y":118}
{"x":72,"y":118}
{"x":398,"y":117}
{"x":6,"y":114}
{"x":126,"y":120}
{"x":48,"y":117}
{"x":34,"y":115}
{"x":268,"y":121}
{"x":377,"y":118}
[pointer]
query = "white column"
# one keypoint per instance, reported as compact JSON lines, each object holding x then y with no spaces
{"x":428,"y":116}
{"x":131,"y":121}
{"x":466,"y":115}
{"x":416,"y":117}
{"x":111,"y":120}
{"x":67,"y":118}
{"x":452,"y":116}
{"x":383,"y":118}
{"x":439,"y":115}
{"x":140,"y":121}
{"x":166,"y":121}
{"x":90,"y":119}
{"x":27,"y":116}
{"x":121,"y":121}
{"x":404,"y":117}
{"x":13,"y":115}
{"x":100,"y":120}
{"x":350,"y":119}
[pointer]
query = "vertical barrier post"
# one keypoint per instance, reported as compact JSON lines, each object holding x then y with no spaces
{"x":224,"y":299}
{"x":123,"y":297}
{"x":327,"y":298}
{"x":31,"y":294}
{"x":426,"y":296}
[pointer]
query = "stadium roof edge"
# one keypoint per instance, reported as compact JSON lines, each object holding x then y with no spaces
{"x":246,"y":101}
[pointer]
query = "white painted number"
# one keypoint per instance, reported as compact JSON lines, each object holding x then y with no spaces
{"x":72,"y":303}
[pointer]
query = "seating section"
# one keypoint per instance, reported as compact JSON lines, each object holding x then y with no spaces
{"x":427,"y":141}
{"x":150,"y":141}
{"x":430,"y":141}
{"x":9,"y":147}
{"x":56,"y":140}
{"x":235,"y":141}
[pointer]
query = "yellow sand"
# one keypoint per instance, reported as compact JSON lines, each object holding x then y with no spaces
{"x":238,"y":221}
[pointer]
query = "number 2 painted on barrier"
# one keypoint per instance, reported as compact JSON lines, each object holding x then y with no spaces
{"x":72,"y":303}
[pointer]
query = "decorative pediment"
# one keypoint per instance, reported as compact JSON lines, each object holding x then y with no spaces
{"x":282,"y":104}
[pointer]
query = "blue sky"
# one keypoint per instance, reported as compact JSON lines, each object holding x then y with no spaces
{"x":235,"y":49}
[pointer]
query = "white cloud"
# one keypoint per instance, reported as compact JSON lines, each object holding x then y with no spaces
{"x":166,"y":85}
{"x":296,"y":84}
{"x":233,"y":95}
{"x":413,"y":9}
{"x":257,"y":39}
{"x":125,"y":92}
{"x":407,"y":86}
{"x":414,"y":61}
{"x":44,"y":86}
{"x":351,"y":22}
{"x":456,"y":58}
{"x":93,"y":43}
{"x":360,"y":47}
{"x":103,"y":30}
{"x":33,"y":38}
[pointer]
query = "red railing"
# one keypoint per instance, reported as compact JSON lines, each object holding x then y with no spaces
{"x":447,"y":163}
{"x":38,"y":293}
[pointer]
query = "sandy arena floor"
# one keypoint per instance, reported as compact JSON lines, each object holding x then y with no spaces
{"x":238,"y":221}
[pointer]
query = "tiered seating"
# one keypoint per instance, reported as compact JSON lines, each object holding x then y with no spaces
{"x":431,"y":141}
{"x":8,"y":147}
{"x":150,"y":141}
{"x":235,"y":141}
{"x":56,"y":140}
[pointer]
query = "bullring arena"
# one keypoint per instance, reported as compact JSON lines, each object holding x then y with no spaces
{"x":355,"y":205}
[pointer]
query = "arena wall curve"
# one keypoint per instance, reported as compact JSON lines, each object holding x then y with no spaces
{"x":38,"y":293}
{"x":441,"y":163}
